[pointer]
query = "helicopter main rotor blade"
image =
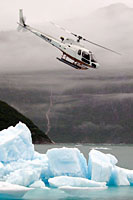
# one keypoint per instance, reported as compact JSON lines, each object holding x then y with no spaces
{"x":82,"y":38}
{"x":101,"y":46}
{"x":58,"y":26}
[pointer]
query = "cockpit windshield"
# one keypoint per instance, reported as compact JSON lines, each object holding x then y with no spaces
{"x":93,"y":59}
{"x":86,"y":55}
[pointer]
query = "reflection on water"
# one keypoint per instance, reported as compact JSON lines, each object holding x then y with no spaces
{"x":117,"y":193}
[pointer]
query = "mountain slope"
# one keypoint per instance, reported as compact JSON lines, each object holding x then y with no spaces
{"x":10,"y":117}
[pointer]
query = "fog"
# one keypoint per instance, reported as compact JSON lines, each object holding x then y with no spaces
{"x":84,"y":104}
{"x":41,"y":10}
{"x":109,"y":26}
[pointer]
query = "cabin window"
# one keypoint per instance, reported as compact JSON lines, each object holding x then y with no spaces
{"x":79,"y":52}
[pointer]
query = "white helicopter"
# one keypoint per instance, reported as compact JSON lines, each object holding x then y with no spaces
{"x":74,"y":54}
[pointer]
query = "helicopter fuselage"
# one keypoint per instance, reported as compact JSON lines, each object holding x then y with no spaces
{"x":78,"y":56}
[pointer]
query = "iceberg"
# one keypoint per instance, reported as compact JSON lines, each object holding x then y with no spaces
{"x":67,"y":162}
{"x":16,"y":143}
{"x":64,"y":170}
{"x":61,"y":181}
{"x":100,"y":166}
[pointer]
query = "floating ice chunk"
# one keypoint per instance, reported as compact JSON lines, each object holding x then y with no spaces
{"x":16,"y":143}
{"x":74,"y":182}
{"x":67,"y":161}
{"x":81,"y":191}
{"x":100,"y":148}
{"x":13,"y":189}
{"x":24,"y":177}
{"x":38,"y":184}
{"x":100,"y":166}
{"x":118,"y":177}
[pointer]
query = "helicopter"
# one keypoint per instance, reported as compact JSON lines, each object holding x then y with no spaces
{"x":73,"y":53}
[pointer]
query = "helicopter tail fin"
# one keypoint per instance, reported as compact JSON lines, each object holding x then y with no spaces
{"x":21,"y":18}
{"x":21,"y":23}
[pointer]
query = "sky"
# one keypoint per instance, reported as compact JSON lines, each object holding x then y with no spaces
{"x":37,"y":11}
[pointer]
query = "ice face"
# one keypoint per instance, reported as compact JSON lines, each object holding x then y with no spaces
{"x":74,"y":182}
{"x":118,"y":177}
{"x":24,"y":177}
{"x":100,"y":166}
{"x":67,"y":162}
{"x":16,"y":143}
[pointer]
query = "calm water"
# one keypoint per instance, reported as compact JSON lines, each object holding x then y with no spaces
{"x":124,"y":155}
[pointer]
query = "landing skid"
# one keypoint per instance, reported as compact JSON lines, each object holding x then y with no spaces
{"x":71,"y":64}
